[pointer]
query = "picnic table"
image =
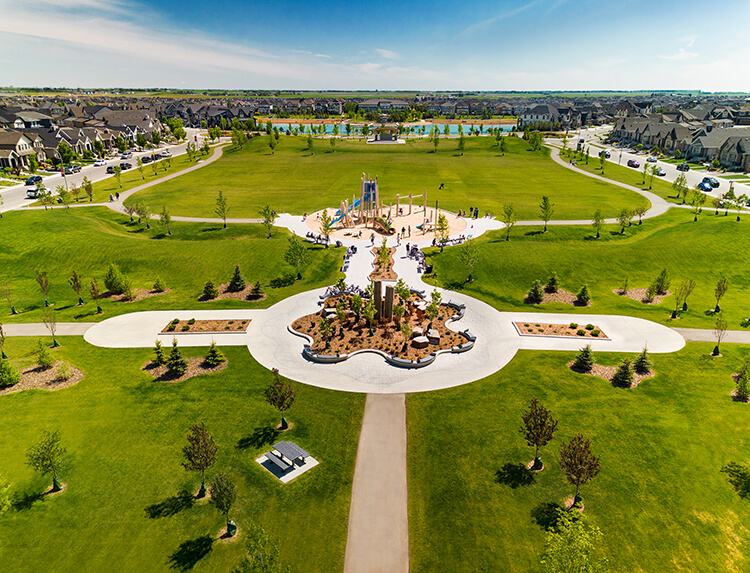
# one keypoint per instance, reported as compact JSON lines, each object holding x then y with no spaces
{"x":286,"y":454}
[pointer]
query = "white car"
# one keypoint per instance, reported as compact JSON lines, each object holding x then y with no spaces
{"x":651,"y":159}
{"x":99,"y":163}
{"x":166,"y":153}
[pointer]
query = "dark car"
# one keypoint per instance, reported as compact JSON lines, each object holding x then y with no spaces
{"x":705,"y":187}
{"x":147,"y":159}
{"x":712,"y":181}
{"x":125,"y":166}
{"x":605,"y":153}
{"x":683,"y":167}
{"x":633,"y":163}
{"x":33,"y":180}
{"x":111,"y":169}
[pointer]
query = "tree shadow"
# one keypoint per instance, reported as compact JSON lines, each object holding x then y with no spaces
{"x":546,"y":514}
{"x":190,"y":552}
{"x":211,"y":230}
{"x":26,"y":501}
{"x":738,"y":475}
{"x":171,"y":506}
{"x":533,"y":233}
{"x":514,"y":475}
{"x":261,"y":436}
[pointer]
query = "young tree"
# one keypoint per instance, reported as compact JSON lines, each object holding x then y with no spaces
{"x":296,"y":254}
{"x":571,"y":546}
{"x":639,"y":212}
{"x":237,"y":283}
{"x":46,"y":456}
{"x":94,"y":290}
{"x":579,"y":463}
{"x":9,"y":376}
{"x":538,"y":428}
{"x":584,"y":360}
{"x":269,"y":216}
{"x":584,"y":296}
{"x":75,"y":191}
{"x":553,"y":284}
{"x":88,"y":187}
{"x":210,"y":291}
{"x":624,"y":218}
{"x":139,"y":166}
{"x":468,"y":256}
{"x":222,"y":207}
{"x":43,"y":281}
{"x":503,"y":145}
{"x":326,"y":331}
{"x":536,"y":293}
{"x":642,"y":364}
{"x":442,"y":230}
{"x":160,"y":359}
{"x":223,"y":495}
{"x":177,"y":364}
{"x":263,"y":555}
{"x":280,"y":395}
{"x":720,"y":332}
{"x":740,"y":203}
{"x":77,"y":285}
{"x":199,"y":453}
{"x":546,"y":209}
{"x":435,"y":140}
{"x":602,"y":161}
{"x":721,"y":289}
{"x":461,"y":143}
{"x":118,"y":175}
{"x":64,"y":195}
{"x":686,"y":287}
{"x":144,"y":212}
{"x":370,"y":312}
{"x":165,"y":219}
{"x":325,"y":225}
{"x":598,"y":222}
{"x":680,"y":187}
{"x":8,"y":295}
{"x":508,"y":218}
{"x":310,"y":143}
{"x":624,"y":375}
{"x":662,"y":282}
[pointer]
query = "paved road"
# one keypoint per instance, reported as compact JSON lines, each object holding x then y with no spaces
{"x":378,"y":539}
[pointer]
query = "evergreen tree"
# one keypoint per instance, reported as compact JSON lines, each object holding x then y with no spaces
{"x":642,"y":364}
{"x":257,"y":290}
{"x":214,"y":356}
{"x":553,"y":284}
{"x":176,"y":363}
{"x":210,"y":291}
{"x":159,"y":357}
{"x":536,"y":294}
{"x":238,"y":283}
{"x":584,"y":297}
{"x":584,"y":360}
{"x":624,"y":375}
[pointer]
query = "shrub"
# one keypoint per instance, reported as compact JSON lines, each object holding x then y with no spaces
{"x":176,"y":364}
{"x":128,"y":290}
{"x":176,"y":321}
{"x":625,"y":286}
{"x":589,"y":327}
{"x":642,"y":364}
{"x":651,"y":292}
{"x":171,"y":327}
{"x":114,"y":280}
{"x":584,"y":360}
{"x":573,"y":325}
{"x":283,"y":281}
{"x":210,"y":291}
{"x":191,"y":321}
{"x":159,"y":358}
{"x":8,"y":375}
{"x":596,"y":332}
{"x":583,"y":295}
{"x":553,"y":283}
{"x":662,"y":282}
{"x":185,"y":327}
{"x":214,"y":356}
{"x":238,"y":283}
{"x":624,"y":375}
{"x":743,"y":388}
{"x":581,"y":332}
{"x":159,"y":286}
{"x":63,"y":372}
{"x":43,"y":356}
{"x":536,"y":294}
{"x":257,"y":290}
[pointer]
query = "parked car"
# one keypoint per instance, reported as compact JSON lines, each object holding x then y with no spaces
{"x":683,"y":167}
{"x":147,"y":159}
{"x":651,"y":159}
{"x":660,"y":172}
{"x":166,"y":153}
{"x":33,"y":180}
{"x":705,"y":187}
{"x":605,"y":153}
{"x":32,"y":193}
{"x":100,"y":163}
{"x":70,"y":169}
{"x":111,"y":169}
{"x":125,"y":166}
{"x":126,"y":155}
{"x":712,"y":181}
{"x":633,"y":163}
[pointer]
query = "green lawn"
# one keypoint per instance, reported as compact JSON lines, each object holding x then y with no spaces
{"x":660,"y":500}
{"x":87,"y":240}
{"x":294,"y":180}
{"x":124,"y":434}
{"x":702,"y":251}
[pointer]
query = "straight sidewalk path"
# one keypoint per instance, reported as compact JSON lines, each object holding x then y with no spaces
{"x":38,"y":329}
{"x":706,"y":335}
{"x":378,"y":539}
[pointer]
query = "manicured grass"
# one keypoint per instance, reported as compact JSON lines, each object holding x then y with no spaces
{"x":660,"y":500}
{"x":124,"y":434}
{"x":294,"y":180}
{"x":87,"y":240}
{"x":702,"y":251}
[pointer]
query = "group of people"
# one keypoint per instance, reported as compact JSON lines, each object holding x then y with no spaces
{"x":116,"y":197}
{"x":320,"y":239}
{"x":472,"y":213}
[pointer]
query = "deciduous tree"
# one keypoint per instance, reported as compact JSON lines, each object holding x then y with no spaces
{"x":597,"y":222}
{"x":281,"y":396}
{"x":222,"y":207}
{"x":546,"y":209}
{"x":538,"y":428}
{"x":199,"y":453}
{"x":509,"y":218}
{"x":721,"y":289}
{"x":571,"y":546}
{"x":296,"y":255}
{"x":46,"y":456}
{"x":223,"y":495}
{"x":578,"y":462}
{"x":269,"y":216}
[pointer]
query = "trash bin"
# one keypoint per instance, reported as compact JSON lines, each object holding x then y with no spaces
{"x":428,"y":269}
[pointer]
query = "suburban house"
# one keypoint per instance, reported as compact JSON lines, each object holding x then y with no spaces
{"x":735,"y":153}
{"x":15,"y":148}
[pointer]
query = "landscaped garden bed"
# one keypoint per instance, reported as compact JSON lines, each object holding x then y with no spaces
{"x":343,"y":332}
{"x":59,"y":375}
{"x":608,"y":373}
{"x":135,"y":295}
{"x":192,"y":325}
{"x":248,"y":293}
{"x":642,"y":295}
{"x":565,"y":330}
{"x":196,"y":367}
{"x":383,"y":264}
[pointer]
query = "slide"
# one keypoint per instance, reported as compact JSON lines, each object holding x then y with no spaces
{"x":338,"y":212}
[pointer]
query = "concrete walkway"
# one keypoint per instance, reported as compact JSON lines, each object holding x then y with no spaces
{"x":38,"y":329}
{"x":706,"y":335}
{"x":378,"y":538}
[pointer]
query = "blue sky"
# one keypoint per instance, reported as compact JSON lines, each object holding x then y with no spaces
{"x":419,"y":45}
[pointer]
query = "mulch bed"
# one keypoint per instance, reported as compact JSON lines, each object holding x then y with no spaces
{"x":196,"y":367}
{"x":639,"y":294}
{"x":550,"y":329}
{"x":607,"y":372}
{"x":386,"y":338}
{"x":562,"y":296}
{"x":245,"y":294}
{"x":387,"y":273}
{"x":140,"y":294}
{"x":34,"y":377}
{"x":208,"y":326}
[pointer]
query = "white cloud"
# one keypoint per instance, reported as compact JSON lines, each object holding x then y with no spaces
{"x":322,"y":56}
{"x":484,"y":24}
{"x":681,"y":55}
{"x":388,"y":54}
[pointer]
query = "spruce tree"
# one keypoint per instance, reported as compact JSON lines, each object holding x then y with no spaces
{"x":159,"y":358}
{"x":743,"y":388}
{"x":642,"y":364}
{"x":624,"y":375}
{"x":257,"y":290}
{"x":210,"y":291}
{"x":553,"y":283}
{"x":238,"y":283}
{"x":584,"y":360}
{"x":176,"y":364}
{"x":536,"y":294}
{"x":214,"y":356}
{"x":584,"y":297}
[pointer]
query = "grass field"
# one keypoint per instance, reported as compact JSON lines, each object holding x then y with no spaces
{"x":294,"y":180}
{"x":124,"y":433}
{"x":87,"y":240}
{"x":702,"y":251}
{"x":660,"y":499}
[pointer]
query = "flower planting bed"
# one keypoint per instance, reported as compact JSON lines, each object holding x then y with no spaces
{"x":193,"y":326}
{"x":387,"y":337}
{"x":573,"y":329}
